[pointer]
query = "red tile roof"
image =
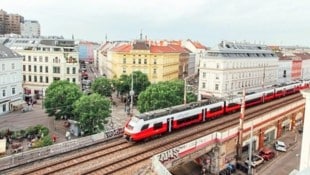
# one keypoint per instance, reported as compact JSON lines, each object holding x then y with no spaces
{"x":303,"y":56}
{"x":122,"y":48}
{"x":168,"y":49}
{"x":198,"y":45}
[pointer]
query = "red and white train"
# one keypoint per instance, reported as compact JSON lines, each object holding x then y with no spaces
{"x":155,"y":123}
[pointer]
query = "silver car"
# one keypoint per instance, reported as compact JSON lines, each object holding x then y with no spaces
{"x":280,"y":146}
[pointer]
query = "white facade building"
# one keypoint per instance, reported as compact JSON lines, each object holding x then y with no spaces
{"x":30,"y":28}
{"x":284,"y":71}
{"x":229,"y":68}
{"x":305,"y":69}
{"x":10,"y":79}
{"x":198,"y":49}
{"x":46,"y":60}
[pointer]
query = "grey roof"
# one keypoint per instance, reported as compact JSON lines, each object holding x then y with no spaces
{"x":7,"y":53}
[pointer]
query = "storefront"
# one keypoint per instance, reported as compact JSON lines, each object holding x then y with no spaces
{"x":270,"y":135}
{"x":286,"y":125}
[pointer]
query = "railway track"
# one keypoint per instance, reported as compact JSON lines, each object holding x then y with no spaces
{"x":121,"y":157}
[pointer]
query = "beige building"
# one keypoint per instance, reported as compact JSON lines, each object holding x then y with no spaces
{"x":46,"y":60}
{"x":10,"y":23}
{"x":159,"y":62}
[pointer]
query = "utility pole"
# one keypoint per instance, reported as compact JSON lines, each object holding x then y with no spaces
{"x":185,"y":89}
{"x":241,"y":119}
{"x":250,"y":151}
{"x":131,"y":93}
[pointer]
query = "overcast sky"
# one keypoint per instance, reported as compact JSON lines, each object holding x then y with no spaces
{"x":284,"y":22}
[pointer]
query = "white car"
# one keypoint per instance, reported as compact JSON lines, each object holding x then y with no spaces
{"x":280,"y":146}
{"x":256,"y":160}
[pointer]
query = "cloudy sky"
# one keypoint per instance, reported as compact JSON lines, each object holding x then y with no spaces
{"x":284,"y":22}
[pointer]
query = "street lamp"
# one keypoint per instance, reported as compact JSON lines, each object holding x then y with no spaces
{"x":131,"y":93}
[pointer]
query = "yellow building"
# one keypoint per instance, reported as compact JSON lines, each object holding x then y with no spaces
{"x":159,"y":62}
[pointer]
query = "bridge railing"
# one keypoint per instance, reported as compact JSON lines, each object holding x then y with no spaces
{"x":70,"y":145}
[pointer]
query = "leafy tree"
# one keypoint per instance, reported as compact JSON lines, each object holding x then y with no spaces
{"x":140,"y":83}
{"x":163,"y":95}
{"x":102,"y":86}
{"x":92,"y":111}
{"x":59,"y":97}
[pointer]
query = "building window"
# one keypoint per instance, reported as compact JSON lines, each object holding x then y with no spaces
{"x":35,"y":68}
{"x":29,"y":58}
{"x":203,"y":85}
{"x":46,"y":79}
{"x":35,"y":59}
{"x":29,"y":68}
{"x":68,"y":79}
{"x":145,"y":61}
{"x":155,"y":61}
{"x":24,"y":77}
{"x":46,"y":59}
{"x":73,"y":70}
{"x":284,"y":74}
{"x":73,"y":80}
{"x":3,"y":93}
{"x":217,"y":76}
{"x":35,"y":78}
{"x":24,"y":68}
{"x":124,"y":60}
{"x":41,"y":79}
{"x":56,"y":70}
{"x":154,"y":71}
{"x":13,"y":66}
{"x":139,"y":61}
{"x":46,"y":69}
{"x":41,"y":68}
{"x":216,"y":87}
{"x":4,"y":107}
{"x":204,"y":75}
{"x":3,"y":67}
{"x":40,"y":58}
{"x":29,"y":78}
{"x":56,"y":78}
{"x":134,"y":61}
{"x":13,"y":91}
{"x":124,"y":70}
{"x":217,"y":65}
{"x":68,"y":70}
{"x":24,"y":58}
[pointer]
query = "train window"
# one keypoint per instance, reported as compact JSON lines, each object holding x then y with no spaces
{"x":145,"y":127}
{"x":232,"y":104}
{"x":215,"y":109}
{"x":187,"y":119}
{"x":158,"y":125}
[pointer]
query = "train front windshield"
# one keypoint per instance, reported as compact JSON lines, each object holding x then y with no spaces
{"x":132,"y":122}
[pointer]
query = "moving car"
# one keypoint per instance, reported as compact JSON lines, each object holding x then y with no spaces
{"x":267,"y":153}
{"x":280,"y":146}
{"x":256,"y":160}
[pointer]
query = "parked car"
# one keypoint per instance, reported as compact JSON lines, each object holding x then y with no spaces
{"x":280,"y":146}
{"x":256,"y":160}
{"x":267,"y":153}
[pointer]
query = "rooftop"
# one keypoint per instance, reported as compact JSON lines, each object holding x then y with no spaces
{"x":7,"y":53}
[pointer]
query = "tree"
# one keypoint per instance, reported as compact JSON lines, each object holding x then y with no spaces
{"x":140,"y":83}
{"x":92,"y":112}
{"x":102,"y":86}
{"x":59,"y":97}
{"x":161,"y":95}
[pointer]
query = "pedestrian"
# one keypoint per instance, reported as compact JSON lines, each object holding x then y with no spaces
{"x":54,"y":138}
{"x":68,"y":135}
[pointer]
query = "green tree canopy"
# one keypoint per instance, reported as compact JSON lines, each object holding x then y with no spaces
{"x":92,"y":112}
{"x":163,"y":95}
{"x":102,"y":86}
{"x":59,"y":97}
{"x":140,"y":83}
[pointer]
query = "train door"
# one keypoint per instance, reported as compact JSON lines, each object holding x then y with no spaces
{"x":203,"y":115}
{"x":169,"y":124}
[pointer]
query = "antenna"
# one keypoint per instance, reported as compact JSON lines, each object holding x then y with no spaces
{"x":141,"y":34}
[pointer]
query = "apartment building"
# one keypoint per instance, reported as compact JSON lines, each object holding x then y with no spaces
{"x":30,"y":28}
{"x":227,"y":69}
{"x":159,"y":62}
{"x":46,"y":60}
{"x":10,"y":80}
{"x":10,"y":23}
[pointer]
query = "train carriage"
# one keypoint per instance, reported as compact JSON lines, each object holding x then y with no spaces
{"x":155,"y":123}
